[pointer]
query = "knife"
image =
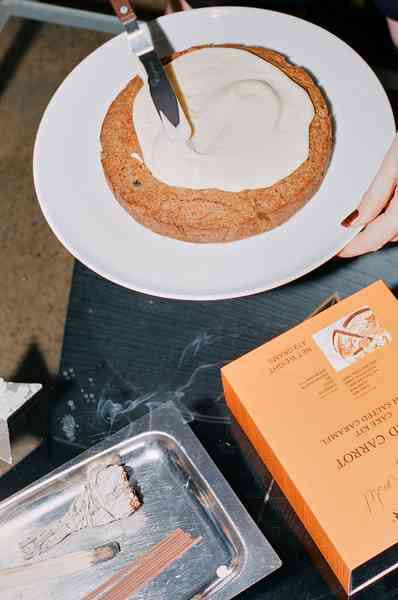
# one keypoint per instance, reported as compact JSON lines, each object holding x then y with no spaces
{"x":162,"y":92}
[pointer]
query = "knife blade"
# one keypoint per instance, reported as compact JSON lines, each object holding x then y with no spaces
{"x":163,"y":95}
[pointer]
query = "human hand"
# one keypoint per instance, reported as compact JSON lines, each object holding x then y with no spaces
{"x":176,"y":5}
{"x":377,"y":213}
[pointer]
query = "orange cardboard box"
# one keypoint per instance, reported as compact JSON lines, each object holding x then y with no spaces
{"x":320,"y":405}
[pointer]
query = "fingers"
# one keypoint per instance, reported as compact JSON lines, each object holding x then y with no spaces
{"x":382,"y":187}
{"x":393,"y":27}
{"x":171,"y":6}
{"x":383,"y":192}
{"x":379,"y":192}
{"x":380,"y":231}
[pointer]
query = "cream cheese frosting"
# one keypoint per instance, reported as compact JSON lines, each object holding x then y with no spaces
{"x":250,"y":123}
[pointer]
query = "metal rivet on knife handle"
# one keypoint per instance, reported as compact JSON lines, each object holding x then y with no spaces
{"x":123,"y":9}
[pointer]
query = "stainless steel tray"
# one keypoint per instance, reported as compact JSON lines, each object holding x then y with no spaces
{"x":181,"y":487}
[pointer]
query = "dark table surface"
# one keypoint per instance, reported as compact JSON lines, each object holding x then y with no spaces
{"x":125,"y":353}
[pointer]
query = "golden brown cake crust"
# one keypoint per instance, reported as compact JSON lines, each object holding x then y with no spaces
{"x":210,"y":215}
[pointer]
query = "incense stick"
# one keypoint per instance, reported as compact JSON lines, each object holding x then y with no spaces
{"x":128,"y":569}
{"x":129,"y":580}
{"x":135,"y":581}
{"x":57,"y":567}
{"x":152,"y":566}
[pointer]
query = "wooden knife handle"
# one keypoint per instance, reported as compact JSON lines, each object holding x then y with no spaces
{"x":124,"y":10}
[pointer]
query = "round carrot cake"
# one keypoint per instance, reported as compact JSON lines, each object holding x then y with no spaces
{"x":260,"y":146}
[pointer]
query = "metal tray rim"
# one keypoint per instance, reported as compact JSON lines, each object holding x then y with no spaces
{"x":259,"y":558}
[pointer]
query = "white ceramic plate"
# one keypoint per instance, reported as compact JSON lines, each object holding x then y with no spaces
{"x":84,"y":215}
